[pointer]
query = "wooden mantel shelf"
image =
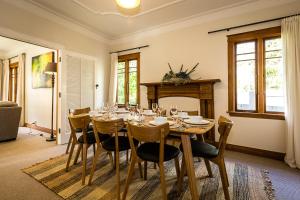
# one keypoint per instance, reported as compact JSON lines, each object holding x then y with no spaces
{"x":191,"y":82}
{"x":200,"y":89}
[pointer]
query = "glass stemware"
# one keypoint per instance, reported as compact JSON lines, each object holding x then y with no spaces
{"x":159,"y":110}
{"x":173,"y":111}
{"x":154,"y":107}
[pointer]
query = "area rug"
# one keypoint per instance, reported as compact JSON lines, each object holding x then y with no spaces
{"x":245,"y":182}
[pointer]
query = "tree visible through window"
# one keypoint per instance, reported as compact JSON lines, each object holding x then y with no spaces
{"x":128,"y":79}
{"x":255,"y":76}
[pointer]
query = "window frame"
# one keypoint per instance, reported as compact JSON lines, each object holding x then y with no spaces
{"x":259,"y":36}
{"x":127,"y":58}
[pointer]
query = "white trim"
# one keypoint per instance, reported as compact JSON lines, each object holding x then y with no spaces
{"x":212,"y":15}
{"x":49,"y":14}
{"x":83,"y":5}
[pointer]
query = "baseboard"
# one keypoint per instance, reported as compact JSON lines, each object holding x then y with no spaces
{"x":39,"y":128}
{"x":256,"y":152}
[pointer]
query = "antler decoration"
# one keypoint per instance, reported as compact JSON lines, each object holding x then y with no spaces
{"x":180,"y":77}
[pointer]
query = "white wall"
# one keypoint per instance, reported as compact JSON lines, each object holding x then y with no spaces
{"x":22,"y":20}
{"x":191,"y":44}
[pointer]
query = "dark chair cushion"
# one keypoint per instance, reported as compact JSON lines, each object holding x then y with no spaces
{"x":79,"y":130}
{"x":150,"y":152}
{"x":90,"y":138}
{"x":103,"y":136}
{"x":109,"y":144}
{"x":202,"y":149}
{"x":123,"y":130}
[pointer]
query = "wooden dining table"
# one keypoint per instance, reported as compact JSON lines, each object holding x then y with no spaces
{"x":185,"y":132}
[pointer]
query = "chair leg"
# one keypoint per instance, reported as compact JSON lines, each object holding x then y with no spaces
{"x":182,"y":173}
{"x":84,"y":153}
{"x":224,"y":181}
{"x":140,"y":169}
{"x":145,"y":170}
{"x":111,"y":159}
{"x":127,"y":155}
{"x":69,"y":143}
{"x":94,"y":149}
{"x":77,"y":153}
{"x":176,"y":162}
{"x":225,"y":171}
{"x":154,"y":165}
{"x":70,"y":155}
{"x":118,"y":173}
{"x":98,"y":151}
{"x":207,"y":164}
{"x":162,"y":180}
{"x":129,"y":176}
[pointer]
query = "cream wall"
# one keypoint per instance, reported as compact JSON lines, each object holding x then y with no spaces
{"x":191,"y":44}
{"x":22,"y":20}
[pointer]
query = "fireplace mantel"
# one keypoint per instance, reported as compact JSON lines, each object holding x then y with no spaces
{"x":200,"y":89}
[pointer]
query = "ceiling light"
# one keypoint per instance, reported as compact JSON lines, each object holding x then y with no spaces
{"x":128,"y":4}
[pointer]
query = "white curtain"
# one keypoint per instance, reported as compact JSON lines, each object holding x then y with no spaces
{"x":290,"y":28}
{"x":5,"y":82}
{"x":21,"y":86}
{"x":1,"y":78}
{"x":113,"y":79}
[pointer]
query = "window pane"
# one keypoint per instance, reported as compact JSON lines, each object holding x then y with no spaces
{"x":245,"y":77}
{"x":133,"y":82}
{"x":121,"y":83}
{"x":274,"y":76}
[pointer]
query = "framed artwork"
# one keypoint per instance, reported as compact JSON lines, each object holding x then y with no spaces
{"x":39,"y":63}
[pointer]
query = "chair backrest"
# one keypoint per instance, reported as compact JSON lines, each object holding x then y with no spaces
{"x":192,"y":112}
{"x":106,"y":126}
{"x":224,"y":128}
{"x":80,"y":121}
{"x":81,"y":111}
{"x":147,"y":133}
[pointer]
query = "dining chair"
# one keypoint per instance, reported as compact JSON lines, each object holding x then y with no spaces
{"x":87,"y":139}
{"x":77,"y":112}
{"x":212,"y":153}
{"x":153,"y":148}
{"x":114,"y":143}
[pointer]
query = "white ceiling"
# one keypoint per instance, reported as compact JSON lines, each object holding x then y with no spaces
{"x":105,"y":18}
{"x":9,"y":46}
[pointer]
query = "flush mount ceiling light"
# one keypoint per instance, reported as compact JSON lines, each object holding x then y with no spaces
{"x":128,"y":4}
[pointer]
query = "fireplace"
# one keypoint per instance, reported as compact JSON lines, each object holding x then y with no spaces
{"x":199,"y":89}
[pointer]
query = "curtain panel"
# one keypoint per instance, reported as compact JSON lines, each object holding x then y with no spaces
{"x":113,"y":79}
{"x":290,"y":28}
{"x":5,"y":81}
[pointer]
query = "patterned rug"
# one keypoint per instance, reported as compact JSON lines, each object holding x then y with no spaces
{"x":245,"y":182}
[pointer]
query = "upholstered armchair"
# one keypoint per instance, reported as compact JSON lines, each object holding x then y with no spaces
{"x":10,"y":114}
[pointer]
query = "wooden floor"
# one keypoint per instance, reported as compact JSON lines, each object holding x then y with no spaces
{"x":28,"y":149}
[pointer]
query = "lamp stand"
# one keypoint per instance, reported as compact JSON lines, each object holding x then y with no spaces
{"x":52,"y":137}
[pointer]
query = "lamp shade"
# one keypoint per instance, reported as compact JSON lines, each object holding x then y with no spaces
{"x":51,"y":68}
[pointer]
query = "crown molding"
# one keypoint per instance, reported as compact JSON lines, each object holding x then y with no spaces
{"x":240,"y":8}
{"x":127,"y":16}
{"x":47,"y":13}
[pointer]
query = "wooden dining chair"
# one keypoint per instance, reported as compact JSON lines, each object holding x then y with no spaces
{"x":115,"y":144}
{"x":77,"y":112}
{"x":85,"y":140}
{"x":212,"y":153}
{"x":153,"y":149}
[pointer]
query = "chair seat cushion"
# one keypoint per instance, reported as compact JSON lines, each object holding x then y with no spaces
{"x":202,"y":149}
{"x":90,"y":137}
{"x":123,"y":130}
{"x":103,"y":136}
{"x":79,"y":130}
{"x":150,"y":152}
{"x":109,"y":144}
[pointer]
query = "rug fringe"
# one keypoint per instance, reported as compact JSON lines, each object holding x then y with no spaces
{"x":268,"y":186}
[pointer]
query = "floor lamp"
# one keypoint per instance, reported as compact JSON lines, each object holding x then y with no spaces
{"x":51,"y":69}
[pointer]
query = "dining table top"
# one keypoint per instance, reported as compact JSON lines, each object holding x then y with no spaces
{"x":184,"y":129}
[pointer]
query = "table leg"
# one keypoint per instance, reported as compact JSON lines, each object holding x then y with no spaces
{"x":189,"y":163}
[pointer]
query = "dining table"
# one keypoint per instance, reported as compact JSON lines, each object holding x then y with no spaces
{"x":185,"y":131}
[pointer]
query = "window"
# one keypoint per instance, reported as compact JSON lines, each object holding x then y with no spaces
{"x":255,"y":74}
{"x":13,"y":77}
{"x":128,"y":79}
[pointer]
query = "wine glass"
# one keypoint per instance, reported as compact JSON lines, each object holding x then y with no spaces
{"x":173,"y":111}
{"x":154,"y":107}
{"x":159,"y":110}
